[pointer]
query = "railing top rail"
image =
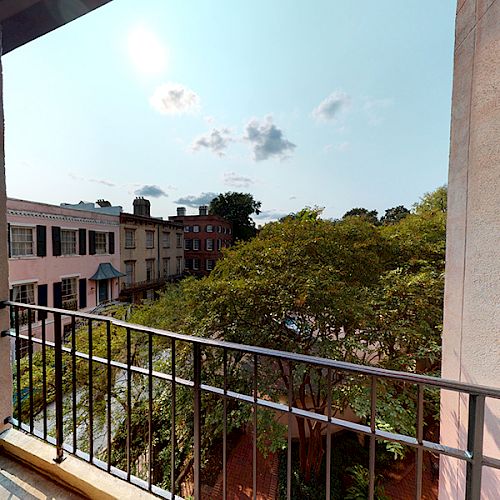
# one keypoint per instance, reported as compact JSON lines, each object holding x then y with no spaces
{"x":414,"y":378}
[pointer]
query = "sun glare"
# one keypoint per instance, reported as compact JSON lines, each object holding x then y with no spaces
{"x":146,"y":51}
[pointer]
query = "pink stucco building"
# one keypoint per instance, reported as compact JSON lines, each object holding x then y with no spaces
{"x":61,"y":257}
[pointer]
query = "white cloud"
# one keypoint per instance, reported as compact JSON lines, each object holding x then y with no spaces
{"x":271,"y":214}
{"x":332,"y":106}
{"x":150,"y":190}
{"x":232,"y":179}
{"x":174,"y":99}
{"x":216,"y":141}
{"x":196,"y":200}
{"x":267,"y":140}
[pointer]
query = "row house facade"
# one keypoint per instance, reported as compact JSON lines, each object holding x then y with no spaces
{"x":61,"y":257}
{"x":204,"y":238}
{"x":151,"y":250}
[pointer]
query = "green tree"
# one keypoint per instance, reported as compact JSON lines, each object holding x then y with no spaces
{"x":370,"y":215}
{"x":237,"y":208}
{"x":394,"y":214}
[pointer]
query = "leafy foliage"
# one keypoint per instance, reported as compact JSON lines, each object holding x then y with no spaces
{"x":237,"y":208}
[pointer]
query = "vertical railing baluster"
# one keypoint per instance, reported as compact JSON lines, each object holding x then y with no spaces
{"x":150,"y":410}
{"x":373,"y":412}
{"x":74,"y":413}
{"x":58,"y":384}
{"x":289,"y":449}
{"x":91,"y":395}
{"x":109,"y":429}
{"x":197,"y":420}
{"x":30,"y":374}
{"x":475,"y":432}
{"x":173,"y":436}
{"x":129,"y":403}
{"x":420,"y":436}
{"x":254,"y":440}
{"x":44,"y":375}
{"x":224,"y":430}
{"x":18,"y":367}
{"x":329,"y":435}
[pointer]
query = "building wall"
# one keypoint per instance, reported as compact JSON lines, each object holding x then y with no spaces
{"x":5,"y":366}
{"x":221,"y":237}
{"x":163,"y":248}
{"x":50,"y":269}
{"x":471,"y":337}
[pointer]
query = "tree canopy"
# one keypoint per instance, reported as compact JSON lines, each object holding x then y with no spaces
{"x":237,"y":208}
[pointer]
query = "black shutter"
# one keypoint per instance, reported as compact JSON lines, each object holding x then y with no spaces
{"x":42,"y":301}
{"x":8,"y":239}
{"x":82,"y":293}
{"x":111,"y":242}
{"x":58,"y":295}
{"x":82,"y":241}
{"x":92,"y":242}
{"x":41,"y":241}
{"x":56,"y":241}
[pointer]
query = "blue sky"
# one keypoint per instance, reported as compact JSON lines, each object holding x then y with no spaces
{"x":332,"y":103}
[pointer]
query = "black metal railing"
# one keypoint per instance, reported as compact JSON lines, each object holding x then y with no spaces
{"x":67,"y":392}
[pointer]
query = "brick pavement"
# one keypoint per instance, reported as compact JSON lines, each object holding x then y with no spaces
{"x":240,"y":474}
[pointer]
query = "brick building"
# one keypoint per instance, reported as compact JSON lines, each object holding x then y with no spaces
{"x":204,"y":238}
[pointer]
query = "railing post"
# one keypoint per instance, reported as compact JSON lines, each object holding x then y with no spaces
{"x":58,"y":376}
{"x":475,"y":432}
{"x":197,"y":420}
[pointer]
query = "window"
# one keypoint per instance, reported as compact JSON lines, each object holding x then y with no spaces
{"x":150,"y":270}
{"x":166,"y":267}
{"x":219,"y":244}
{"x":129,"y":272}
{"x":68,"y":242}
{"x":219,"y":229}
{"x":150,"y":239}
{"x":209,"y":244}
{"x":209,"y":228}
{"x":196,"y":244}
{"x":166,"y":239}
{"x":24,"y":293}
{"x":196,"y":229}
{"x":209,"y":264}
{"x":187,"y":229}
{"x":129,"y":238}
{"x":179,"y":240}
{"x":188,"y":244}
{"x":228,"y":230}
{"x":178,"y":268}
{"x":21,"y":241}
{"x":69,"y":292}
{"x":196,"y":264}
{"x":100,"y":243}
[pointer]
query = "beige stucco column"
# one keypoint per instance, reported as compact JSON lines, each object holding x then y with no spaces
{"x":471,"y":338}
{"x":5,"y":369}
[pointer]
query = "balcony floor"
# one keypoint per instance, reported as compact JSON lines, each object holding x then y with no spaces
{"x":20,"y":482}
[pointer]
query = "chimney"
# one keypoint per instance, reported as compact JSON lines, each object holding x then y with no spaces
{"x":142,"y":207}
{"x":203,"y":210}
{"x":181,"y":211}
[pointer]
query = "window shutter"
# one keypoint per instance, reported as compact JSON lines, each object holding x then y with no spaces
{"x":58,"y":295}
{"x":82,"y":293}
{"x":92,"y":242}
{"x":42,"y":300}
{"x":111,"y":238}
{"x":41,"y":241}
{"x":8,"y":239}
{"x":82,"y":241}
{"x":56,"y":241}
